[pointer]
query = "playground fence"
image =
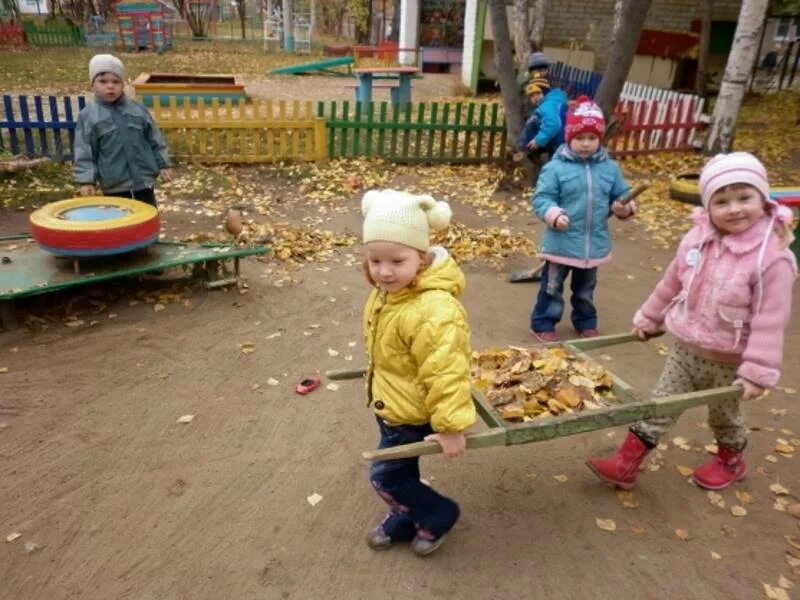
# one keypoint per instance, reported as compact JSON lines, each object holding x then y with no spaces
{"x":11,"y":34}
{"x":56,"y":34}
{"x":39,"y":126}
{"x":427,"y":133}
{"x":255,"y":133}
{"x":267,"y":131}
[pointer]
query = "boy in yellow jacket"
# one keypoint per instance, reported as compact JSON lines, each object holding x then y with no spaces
{"x":417,"y":337}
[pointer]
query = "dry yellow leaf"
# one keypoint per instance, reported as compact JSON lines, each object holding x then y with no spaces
{"x":715,"y":556}
{"x":738,"y":511}
{"x":775,"y":593}
{"x":685,"y":471}
{"x":793,"y":540}
{"x":247,"y":347}
{"x":785,"y":583}
{"x":716,"y":499}
{"x":784,"y":448}
{"x":560,"y":478}
{"x":606,"y":524}
{"x":711,"y":448}
{"x":794,"y":510}
{"x":771,"y":458}
{"x":778,"y":489}
{"x":682,"y":534}
{"x":158,"y":307}
{"x":744,"y":497}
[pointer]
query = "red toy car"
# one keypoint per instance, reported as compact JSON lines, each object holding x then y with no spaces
{"x":307,"y":385}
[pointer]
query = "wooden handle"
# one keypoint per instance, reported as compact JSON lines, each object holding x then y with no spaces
{"x":338,"y":374}
{"x":635,"y":192}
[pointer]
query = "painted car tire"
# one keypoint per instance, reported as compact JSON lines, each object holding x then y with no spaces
{"x":685,"y":188}
{"x":94,"y":226}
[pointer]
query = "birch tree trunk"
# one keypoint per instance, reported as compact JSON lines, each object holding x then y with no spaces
{"x":702,"y":51}
{"x":623,"y":48}
{"x":734,"y":81}
{"x":522,"y":44}
{"x":537,"y":26}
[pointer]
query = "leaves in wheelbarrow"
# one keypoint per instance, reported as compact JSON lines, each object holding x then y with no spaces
{"x":524,"y":384}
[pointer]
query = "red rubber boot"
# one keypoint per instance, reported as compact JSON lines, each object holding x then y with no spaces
{"x":725,"y":469}
{"x":622,"y":468}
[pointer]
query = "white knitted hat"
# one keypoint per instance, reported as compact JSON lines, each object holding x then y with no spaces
{"x":105,"y":63}
{"x":403,"y":218}
{"x":737,"y":167}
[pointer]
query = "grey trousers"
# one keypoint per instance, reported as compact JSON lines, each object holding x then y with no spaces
{"x":685,"y":372}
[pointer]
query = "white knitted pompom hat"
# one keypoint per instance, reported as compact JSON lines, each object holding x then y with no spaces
{"x":403,"y":218}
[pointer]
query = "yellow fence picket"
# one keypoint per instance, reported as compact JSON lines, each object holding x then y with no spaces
{"x":247,"y":134}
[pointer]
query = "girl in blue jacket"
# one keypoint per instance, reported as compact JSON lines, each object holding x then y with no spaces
{"x":576,"y":193}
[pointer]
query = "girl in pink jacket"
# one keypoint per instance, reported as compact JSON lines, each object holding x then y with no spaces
{"x":726,"y":298}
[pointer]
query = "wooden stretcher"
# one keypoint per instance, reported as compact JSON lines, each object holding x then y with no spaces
{"x":503,"y":433}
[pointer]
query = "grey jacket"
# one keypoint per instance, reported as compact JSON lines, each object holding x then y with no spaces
{"x":118,"y":146}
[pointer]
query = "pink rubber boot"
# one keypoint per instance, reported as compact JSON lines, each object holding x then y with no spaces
{"x":725,"y":469}
{"x":622,"y":468}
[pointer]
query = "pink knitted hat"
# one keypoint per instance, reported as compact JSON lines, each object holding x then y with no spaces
{"x":736,"y":167}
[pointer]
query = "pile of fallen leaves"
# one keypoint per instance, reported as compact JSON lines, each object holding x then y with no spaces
{"x":524,"y":384}
{"x":494,"y":244}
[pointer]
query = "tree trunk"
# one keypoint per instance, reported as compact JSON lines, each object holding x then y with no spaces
{"x":702,"y":51}
{"x":241,"y":8}
{"x":623,"y":49}
{"x":734,"y":81}
{"x":522,"y":43}
{"x":504,"y":61}
{"x":537,"y":25}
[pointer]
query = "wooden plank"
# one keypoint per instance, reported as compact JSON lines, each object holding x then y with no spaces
{"x":55,"y":119}
{"x":381,"y":130}
{"x":417,"y":152}
{"x":356,"y":147}
{"x":568,"y":425}
{"x":456,"y":131}
{"x":481,"y":121}
{"x":37,"y":104}
{"x":406,"y":132}
{"x":493,"y":125}
{"x":470,"y":129}
{"x":431,"y":132}
{"x":25,"y":120}
{"x":483,"y":439}
{"x":370,"y":121}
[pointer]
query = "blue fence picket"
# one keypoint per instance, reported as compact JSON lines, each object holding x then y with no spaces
{"x":575,"y":82}
{"x":10,"y":123}
{"x":57,"y":144}
{"x":22,"y":133}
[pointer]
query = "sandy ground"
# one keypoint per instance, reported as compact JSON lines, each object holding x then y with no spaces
{"x":123,"y":502}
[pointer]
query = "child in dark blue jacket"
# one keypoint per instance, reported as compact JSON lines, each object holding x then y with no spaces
{"x":544,"y":129}
{"x":576,"y":193}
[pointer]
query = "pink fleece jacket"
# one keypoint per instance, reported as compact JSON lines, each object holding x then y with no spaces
{"x":714,"y":296}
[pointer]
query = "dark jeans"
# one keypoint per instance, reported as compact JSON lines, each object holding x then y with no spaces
{"x":414,"y":508}
{"x":549,"y":306}
{"x":147,"y":195}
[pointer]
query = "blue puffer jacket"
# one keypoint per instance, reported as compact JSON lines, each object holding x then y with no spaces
{"x":552,"y":116}
{"x":584,"y":190}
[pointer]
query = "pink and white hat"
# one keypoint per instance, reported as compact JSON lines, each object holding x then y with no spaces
{"x":727,"y":169}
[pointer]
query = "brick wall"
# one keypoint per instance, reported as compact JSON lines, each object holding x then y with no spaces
{"x":587,"y":24}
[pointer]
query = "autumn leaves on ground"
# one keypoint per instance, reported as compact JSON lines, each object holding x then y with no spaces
{"x":151,"y":444}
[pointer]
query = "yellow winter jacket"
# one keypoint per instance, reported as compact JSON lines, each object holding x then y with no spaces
{"x":419,"y":353}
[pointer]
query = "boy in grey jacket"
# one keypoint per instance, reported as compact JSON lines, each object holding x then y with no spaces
{"x":118,"y":145}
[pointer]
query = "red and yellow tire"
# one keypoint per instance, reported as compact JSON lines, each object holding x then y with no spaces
{"x":94,"y":226}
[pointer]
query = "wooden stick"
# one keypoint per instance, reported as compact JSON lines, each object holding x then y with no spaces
{"x":338,"y":374}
